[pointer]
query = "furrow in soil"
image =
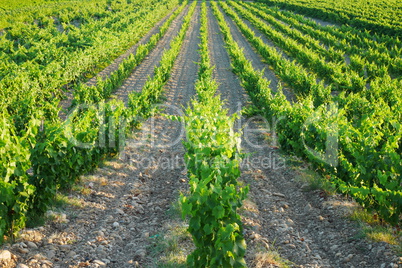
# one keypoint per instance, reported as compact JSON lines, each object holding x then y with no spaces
{"x":250,"y":53}
{"x":115,"y":65}
{"x":146,"y":69}
{"x":125,"y":204}
{"x":66,"y":103}
{"x":305,"y":227}
{"x":158,"y":154}
{"x":229,"y":86}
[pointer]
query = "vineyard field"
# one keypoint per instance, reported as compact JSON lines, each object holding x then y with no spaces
{"x":27,"y":10}
{"x":377,"y":16}
{"x":200,"y":133}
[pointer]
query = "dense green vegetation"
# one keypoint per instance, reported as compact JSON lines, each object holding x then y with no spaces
{"x":350,"y":131}
{"x":345,"y":117}
{"x":213,"y":162}
{"x":42,"y":59}
{"x":379,"y":16}
{"x":56,"y":152}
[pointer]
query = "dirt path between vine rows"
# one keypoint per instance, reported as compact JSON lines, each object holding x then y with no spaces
{"x":255,"y":58}
{"x":132,"y":50}
{"x":146,"y":69}
{"x":125,"y":203}
{"x":120,"y":213}
{"x":152,"y":58}
{"x":305,"y":227}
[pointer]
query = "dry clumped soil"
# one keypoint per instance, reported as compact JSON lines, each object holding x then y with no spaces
{"x":127,"y":205}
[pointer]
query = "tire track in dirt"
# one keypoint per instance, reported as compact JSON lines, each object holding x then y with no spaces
{"x":306,"y":227}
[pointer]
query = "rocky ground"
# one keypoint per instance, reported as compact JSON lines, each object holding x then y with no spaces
{"x":126,"y":212}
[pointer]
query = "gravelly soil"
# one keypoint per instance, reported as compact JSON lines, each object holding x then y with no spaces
{"x":250,"y":53}
{"x":115,"y":65}
{"x":308,"y":228}
{"x":125,"y":206}
{"x":125,"y":201}
{"x":65,"y":103}
{"x":146,"y":69}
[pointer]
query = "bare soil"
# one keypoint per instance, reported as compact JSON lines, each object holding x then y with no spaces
{"x":146,"y":69}
{"x":125,"y":202}
{"x":306,"y":227}
{"x":66,"y":103}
